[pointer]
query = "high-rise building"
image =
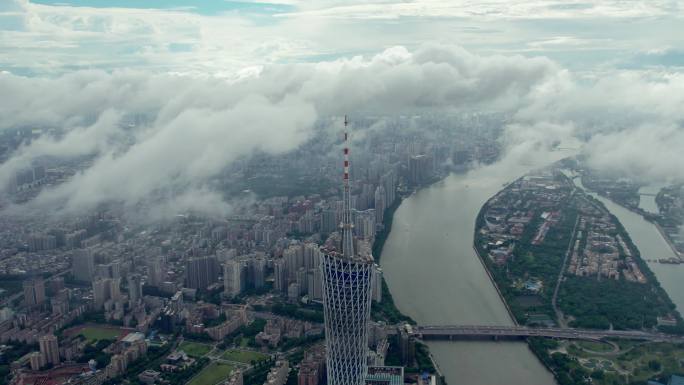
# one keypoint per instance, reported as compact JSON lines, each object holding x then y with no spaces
{"x":389,"y":183}
{"x":59,"y":306}
{"x":34,"y":292}
{"x":232,"y":278}
{"x":419,"y":169}
{"x":377,"y":284}
{"x":114,"y":288}
{"x":302,"y":280}
{"x":201,"y":272}
{"x":105,"y":289}
{"x":134,"y":288}
{"x":328,"y":221}
{"x":109,"y":270}
{"x":364,"y":224}
{"x":347,"y":281}
{"x":83,"y":265}
{"x":315,"y":284}
{"x":311,"y":256}
{"x":258,"y":270}
{"x":280,"y":275}
{"x":294,"y":258}
{"x":36,"y":361}
{"x":293,"y":291}
{"x":49,"y":349}
{"x":380,"y":205}
{"x":156,"y":271}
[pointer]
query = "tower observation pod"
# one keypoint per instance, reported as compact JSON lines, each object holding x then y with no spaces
{"x":346,"y":298}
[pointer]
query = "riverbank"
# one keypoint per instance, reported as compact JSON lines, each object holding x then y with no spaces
{"x":496,"y":285}
{"x":436,"y":278}
{"x":620,"y":296}
{"x":387,"y":310}
{"x":653,"y":217}
{"x":667,"y":239}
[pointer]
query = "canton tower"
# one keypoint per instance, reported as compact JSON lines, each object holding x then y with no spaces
{"x":346,"y":299}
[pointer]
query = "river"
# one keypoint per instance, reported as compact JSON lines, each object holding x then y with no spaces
{"x":436,"y":278}
{"x":647,"y":202}
{"x":651,"y":244}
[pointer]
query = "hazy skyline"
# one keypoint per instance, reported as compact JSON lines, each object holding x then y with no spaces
{"x":220,"y":81}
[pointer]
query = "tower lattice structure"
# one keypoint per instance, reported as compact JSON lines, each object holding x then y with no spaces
{"x":346,"y":298}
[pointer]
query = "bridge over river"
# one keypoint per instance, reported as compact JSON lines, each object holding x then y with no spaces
{"x":468,"y":332}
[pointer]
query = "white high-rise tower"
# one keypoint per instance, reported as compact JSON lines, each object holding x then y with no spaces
{"x":347,"y":290}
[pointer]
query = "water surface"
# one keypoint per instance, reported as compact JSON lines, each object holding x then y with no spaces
{"x":436,"y":278}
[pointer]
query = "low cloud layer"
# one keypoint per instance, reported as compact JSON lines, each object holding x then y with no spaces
{"x":188,"y":129}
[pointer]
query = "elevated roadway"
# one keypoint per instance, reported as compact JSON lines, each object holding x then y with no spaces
{"x":465,"y":332}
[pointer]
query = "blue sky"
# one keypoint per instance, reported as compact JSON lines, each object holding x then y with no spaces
{"x":213,"y":36}
{"x":203,"y":7}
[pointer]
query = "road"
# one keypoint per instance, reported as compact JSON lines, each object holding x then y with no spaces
{"x":554,"y":300}
{"x":455,"y":332}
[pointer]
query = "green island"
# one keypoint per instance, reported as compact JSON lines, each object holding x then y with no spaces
{"x":559,"y":258}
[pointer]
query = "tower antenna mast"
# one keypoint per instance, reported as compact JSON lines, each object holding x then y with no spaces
{"x":347,"y":226}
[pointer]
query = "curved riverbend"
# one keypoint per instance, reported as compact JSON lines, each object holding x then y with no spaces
{"x":436,"y":278}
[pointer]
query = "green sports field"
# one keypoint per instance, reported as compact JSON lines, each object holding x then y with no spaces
{"x":212,"y":374}
{"x":194,"y":349}
{"x":93,"y":333}
{"x":244,"y":356}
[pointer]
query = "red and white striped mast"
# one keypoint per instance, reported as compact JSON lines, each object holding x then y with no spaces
{"x":347,"y":226}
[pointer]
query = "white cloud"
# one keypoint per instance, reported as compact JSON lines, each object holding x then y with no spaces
{"x":651,"y":152}
{"x":42,"y":39}
{"x":215,"y":88}
{"x":496,"y":9}
{"x":200,"y":125}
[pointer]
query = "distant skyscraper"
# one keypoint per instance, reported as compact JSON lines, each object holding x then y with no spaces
{"x":100,"y":291}
{"x":347,"y":280}
{"x":83,"y":265}
{"x":114,"y":288}
{"x":377,"y":284}
{"x":258,"y":272}
{"x":109,"y":270}
{"x":280,"y":275}
{"x":380,"y":205}
{"x":232,"y":278}
{"x":134,"y":288}
{"x":419,"y":169}
{"x":294,"y":258}
{"x":201,"y":272}
{"x":49,"y":349}
{"x":315,"y":284}
{"x":156,"y":271}
{"x":105,"y":289}
{"x":328,"y":221}
{"x":34,"y":292}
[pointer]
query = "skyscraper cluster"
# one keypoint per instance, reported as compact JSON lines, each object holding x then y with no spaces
{"x":298,"y":272}
{"x":201,"y":272}
{"x":34,"y":292}
{"x":244,"y":272}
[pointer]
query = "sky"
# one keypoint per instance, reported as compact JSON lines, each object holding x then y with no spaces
{"x":222,"y":79}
